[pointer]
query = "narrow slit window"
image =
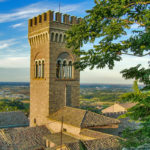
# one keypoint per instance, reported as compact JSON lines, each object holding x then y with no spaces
{"x":56,"y":37}
{"x":39,"y":71}
{"x":60,"y":38}
{"x":52,"y":37}
{"x":36,"y":69}
{"x":42,"y":69}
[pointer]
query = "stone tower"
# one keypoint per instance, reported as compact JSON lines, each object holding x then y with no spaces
{"x":54,"y":83}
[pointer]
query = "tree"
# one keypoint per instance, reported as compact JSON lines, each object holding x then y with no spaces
{"x":109,"y":23}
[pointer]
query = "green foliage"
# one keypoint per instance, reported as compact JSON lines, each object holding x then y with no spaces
{"x":141,"y":113}
{"x":15,"y":105}
{"x":82,"y":146}
{"x":90,"y":108}
{"x":107,"y":21}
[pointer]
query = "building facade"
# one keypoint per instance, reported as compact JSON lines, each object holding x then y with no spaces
{"x":54,"y":83}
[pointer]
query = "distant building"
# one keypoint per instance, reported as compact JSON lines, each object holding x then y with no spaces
{"x":115,"y":111}
{"x":118,"y":107}
{"x":55,"y":121}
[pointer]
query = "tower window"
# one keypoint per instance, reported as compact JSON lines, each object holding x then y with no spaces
{"x":52,"y":37}
{"x":70,"y":69}
{"x":34,"y":121}
{"x":64,"y":66}
{"x":60,"y":38}
{"x":39,"y":68}
{"x":39,"y":73}
{"x":65,"y":69}
{"x":56,"y":37}
{"x":36,"y":69}
{"x":42,"y":69}
{"x":58,"y":69}
{"x":64,"y":38}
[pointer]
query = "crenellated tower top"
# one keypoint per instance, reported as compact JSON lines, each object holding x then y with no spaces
{"x":45,"y":19}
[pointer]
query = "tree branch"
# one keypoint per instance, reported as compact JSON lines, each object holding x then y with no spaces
{"x":144,"y":3}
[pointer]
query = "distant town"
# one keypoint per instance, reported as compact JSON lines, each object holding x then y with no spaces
{"x":94,"y":97}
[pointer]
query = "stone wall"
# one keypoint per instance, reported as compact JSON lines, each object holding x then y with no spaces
{"x":48,"y":94}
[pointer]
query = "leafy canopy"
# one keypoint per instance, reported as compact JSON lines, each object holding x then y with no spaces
{"x":109,"y":23}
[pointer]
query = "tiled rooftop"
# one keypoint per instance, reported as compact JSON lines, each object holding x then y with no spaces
{"x":28,"y":138}
{"x":13,"y":119}
{"x":82,"y":118}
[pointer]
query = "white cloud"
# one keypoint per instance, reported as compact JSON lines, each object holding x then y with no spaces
{"x":35,"y":9}
{"x":7,"y":43}
{"x":15,"y":62}
{"x":4,"y":46}
{"x":17,"y":25}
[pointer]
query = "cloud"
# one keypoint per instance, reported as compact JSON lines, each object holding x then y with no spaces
{"x":4,"y":46}
{"x":15,"y":62}
{"x":17,"y":25}
{"x":35,"y":9}
{"x":7,"y":43}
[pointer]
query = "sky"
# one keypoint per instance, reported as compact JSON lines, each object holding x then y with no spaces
{"x":15,"y":49}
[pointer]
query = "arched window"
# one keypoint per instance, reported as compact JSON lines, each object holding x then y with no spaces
{"x":70,"y":69}
{"x":64,"y":38}
{"x":39,"y":70}
{"x":64,"y":66}
{"x":60,"y":38}
{"x":42,"y":68}
{"x":52,"y":37}
{"x":58,"y":69}
{"x":56,"y":37}
{"x":36,"y":69}
{"x":65,"y":69}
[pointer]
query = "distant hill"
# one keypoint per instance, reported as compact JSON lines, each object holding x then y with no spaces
{"x":14,"y":84}
{"x":82,"y":85}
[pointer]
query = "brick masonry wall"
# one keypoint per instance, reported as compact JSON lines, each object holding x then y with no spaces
{"x":47,"y":95}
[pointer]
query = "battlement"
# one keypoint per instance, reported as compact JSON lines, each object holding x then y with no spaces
{"x":46,"y":18}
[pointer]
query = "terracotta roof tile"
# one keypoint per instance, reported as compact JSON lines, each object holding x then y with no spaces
{"x":110,"y":143}
{"x":13,"y":119}
{"x":81,"y":118}
{"x":92,"y":119}
{"x":29,"y":138}
{"x":127,"y":105}
{"x":56,"y":138}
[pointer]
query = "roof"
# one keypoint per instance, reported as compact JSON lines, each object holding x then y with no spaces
{"x":127,"y":105}
{"x":81,"y":118}
{"x":102,"y":141}
{"x":23,"y":138}
{"x":13,"y":119}
{"x":102,"y":144}
{"x":118,"y":107}
{"x":56,"y":138}
{"x":95,"y":134}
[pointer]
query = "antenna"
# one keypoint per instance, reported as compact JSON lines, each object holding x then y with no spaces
{"x":61,"y":133}
{"x":59,"y":6}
